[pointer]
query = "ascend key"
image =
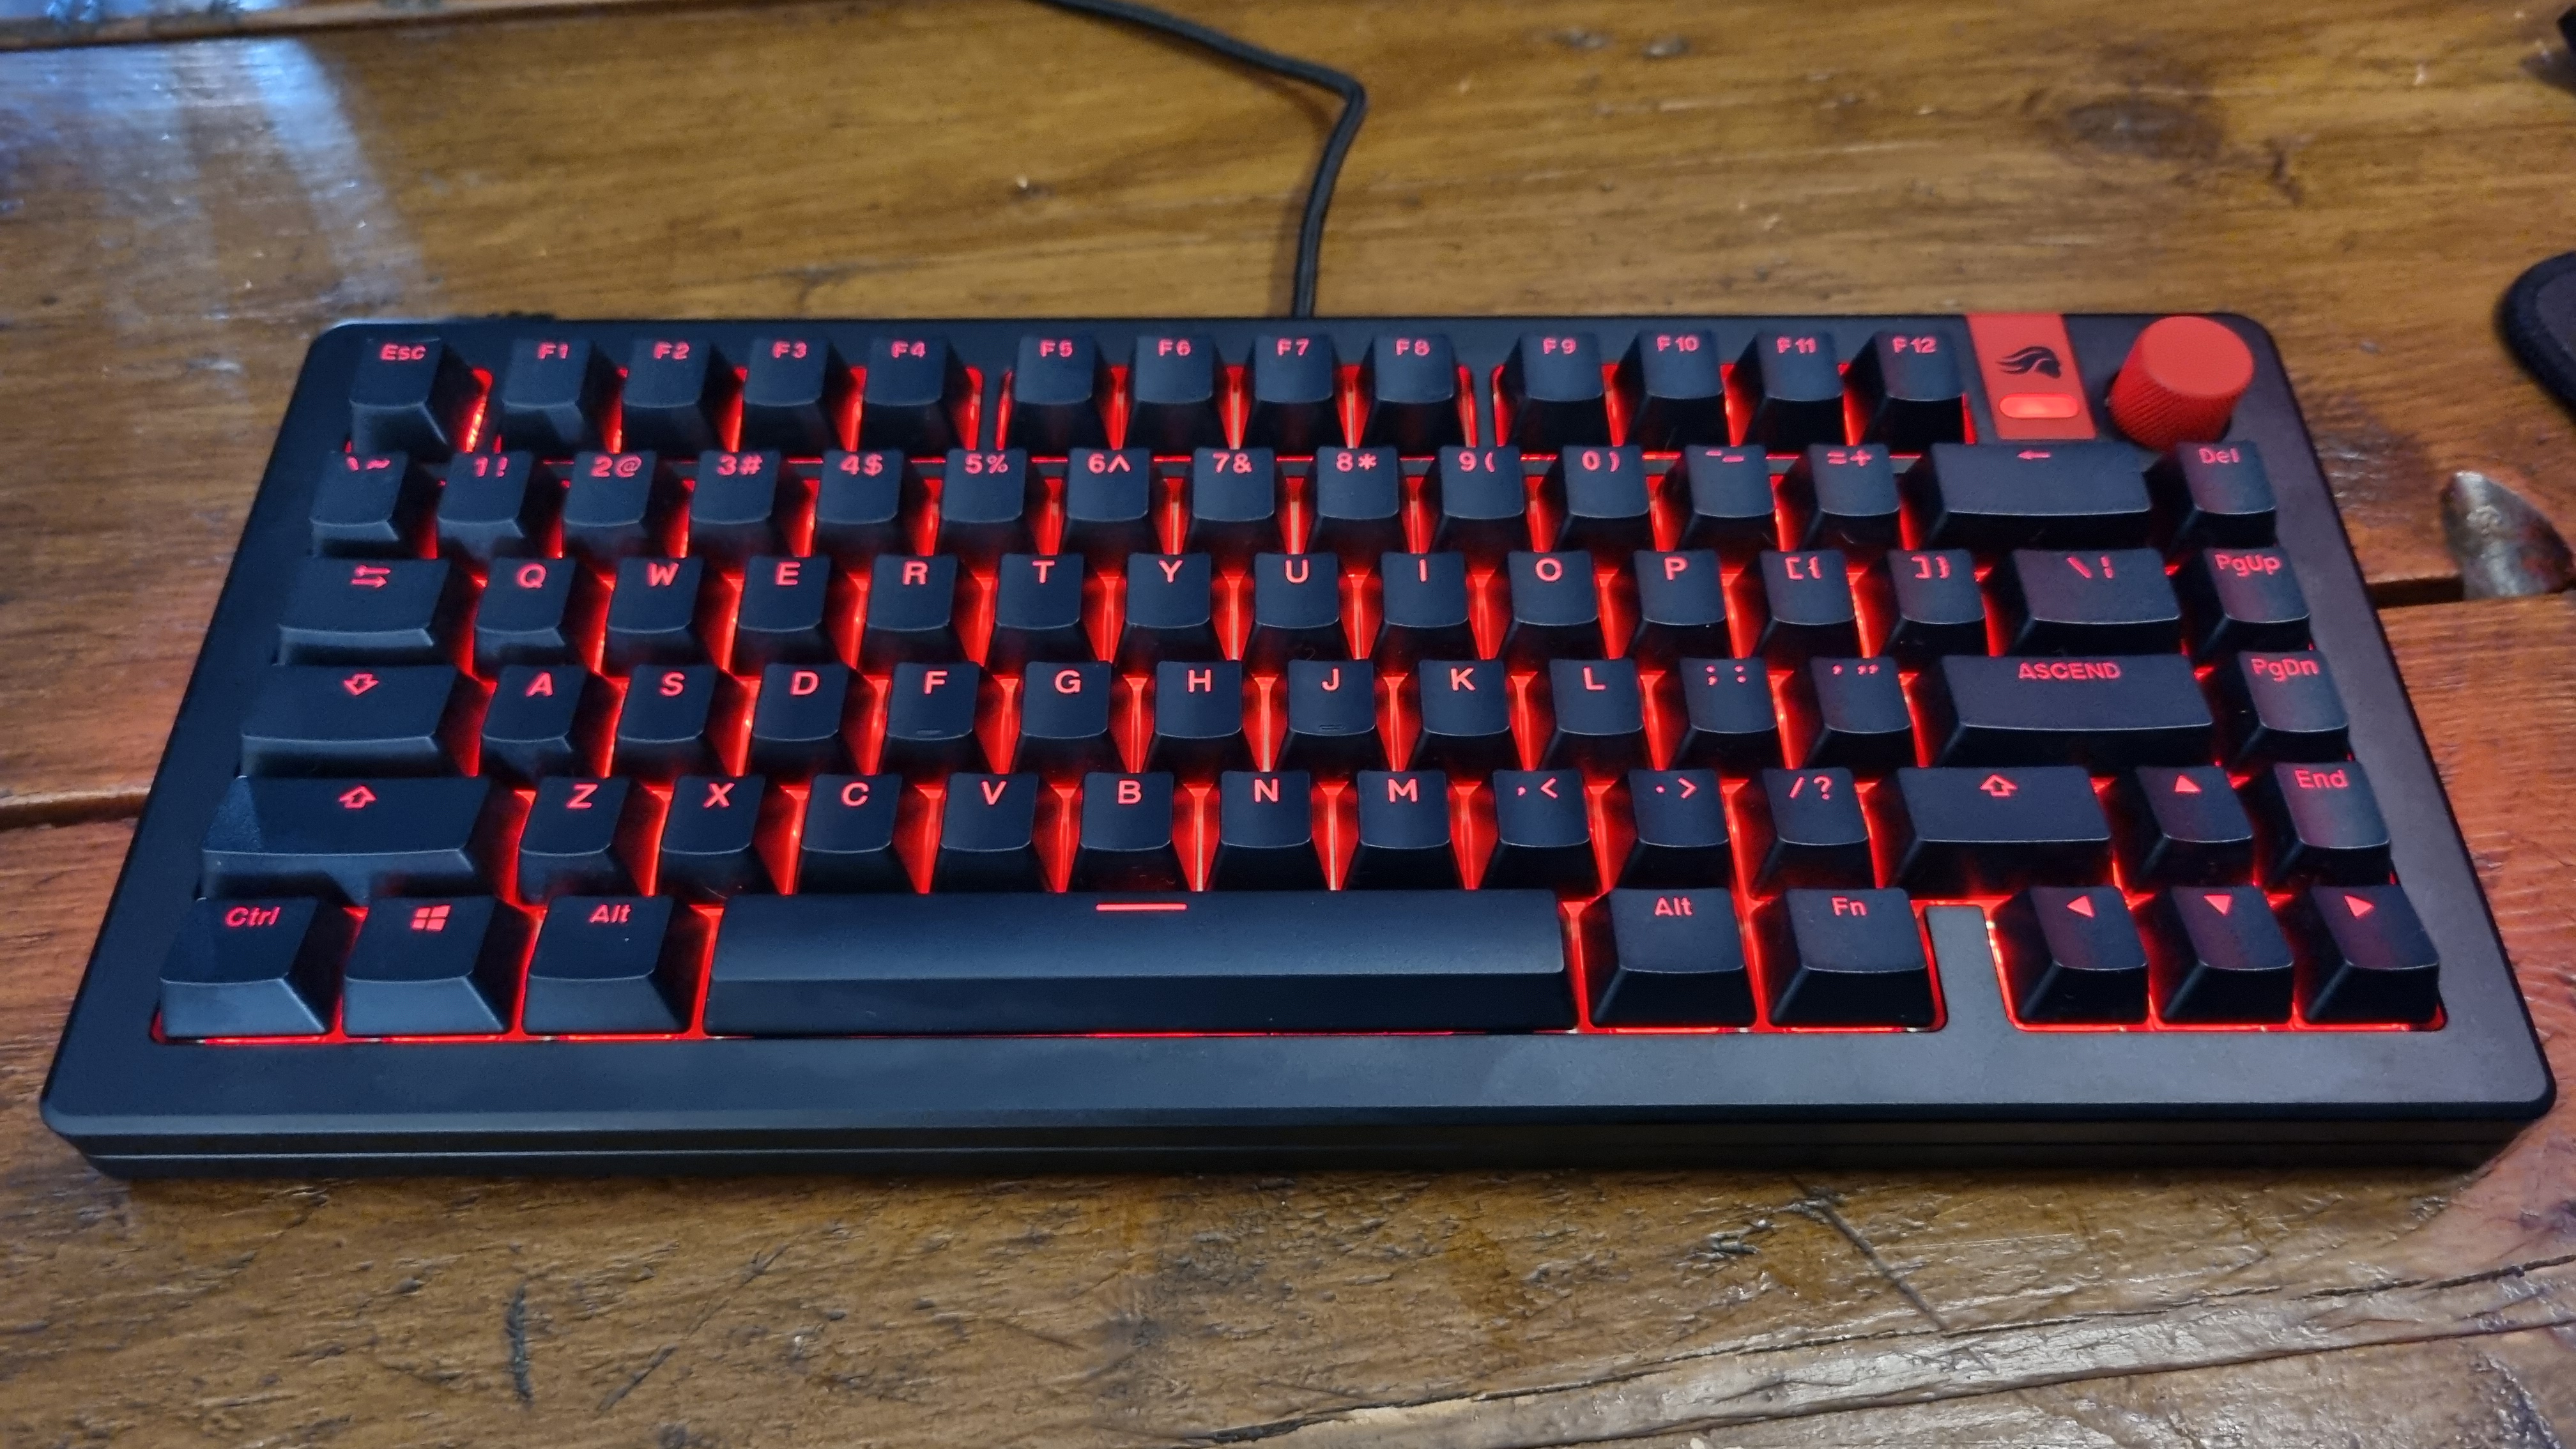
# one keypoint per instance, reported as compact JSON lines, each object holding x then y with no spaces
{"x":1360,"y":961}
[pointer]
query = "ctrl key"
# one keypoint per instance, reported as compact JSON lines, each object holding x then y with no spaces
{"x":1845,"y":958}
{"x":1666,"y":958}
{"x":613,"y":964}
{"x":253,"y":968}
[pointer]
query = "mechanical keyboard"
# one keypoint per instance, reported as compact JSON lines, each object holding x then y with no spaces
{"x":1004,"y":744}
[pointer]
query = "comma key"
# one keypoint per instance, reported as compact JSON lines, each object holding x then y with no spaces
{"x":401,"y":611}
{"x":253,"y":968}
{"x":354,"y":839}
{"x":1542,"y":833}
{"x":1667,"y":957}
{"x":1845,"y":958}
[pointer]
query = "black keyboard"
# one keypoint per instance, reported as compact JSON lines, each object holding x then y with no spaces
{"x":998,"y":744}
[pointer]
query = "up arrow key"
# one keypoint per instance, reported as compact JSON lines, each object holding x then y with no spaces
{"x":1998,"y":786}
{"x":357,"y":797}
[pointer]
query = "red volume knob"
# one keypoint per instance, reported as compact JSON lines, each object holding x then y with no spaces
{"x":2181,"y":382}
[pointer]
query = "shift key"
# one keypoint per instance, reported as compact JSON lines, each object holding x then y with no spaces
{"x":354,"y":839}
{"x":2106,"y":712}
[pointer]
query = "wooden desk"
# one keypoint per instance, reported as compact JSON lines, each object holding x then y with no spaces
{"x":175,"y":221}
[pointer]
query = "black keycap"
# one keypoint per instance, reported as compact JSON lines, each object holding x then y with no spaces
{"x":675,"y":720}
{"x":1666,"y":958}
{"x":544,"y":719}
{"x":1933,"y":607}
{"x":1226,"y":961}
{"x":1907,"y":386}
{"x":2072,"y":954}
{"x":584,"y":837}
{"x":410,"y":395}
{"x":784,"y":612}
{"x":1553,"y":385}
{"x":858,"y":505}
{"x":1294,"y":378}
{"x":354,"y":838}
{"x":1296,"y":610}
{"x":2104,"y":601}
{"x":253,"y":968}
{"x":1172,"y":394}
{"x":662,"y":612}
{"x":1805,"y":828}
{"x":1850,"y":712}
{"x":676,"y":388}
{"x":1265,"y":833}
{"x":1332,"y":718}
{"x":1993,"y":497}
{"x":535,"y":611}
{"x":985,"y":504}
{"x":434,"y":965}
{"x":1358,"y":496}
{"x":1109,"y":501}
{"x":916,"y":385}
{"x":1198,"y":719}
{"x":2242,"y":598}
{"x":1725,"y":501}
{"x":553,"y":394}
{"x":2183,"y":826}
{"x":1960,"y":832}
{"x":613,"y":964}
{"x":371,"y":505}
{"x":1680,"y":819}
{"x":326,"y":719}
{"x":1601,"y":497}
{"x":1480,"y":502}
{"x":1424,"y":605}
{"x":1789,"y":386}
{"x":1542,"y":833}
{"x":2212,"y":495}
{"x":1059,"y":392}
{"x":1064,"y":721}
{"x":1463,"y":711}
{"x":1037,"y":611}
{"x":1409,"y":393}
{"x":1727,"y":719}
{"x":1403,"y":833}
{"x":2319,"y":822}
{"x":930,"y":720}
{"x":400,"y":611}
{"x":739,"y":506}
{"x":795,"y":395}
{"x":1681,"y":607}
{"x":1171,"y":610}
{"x":1675,"y":390}
{"x":2107,"y":712}
{"x":804,"y":720}
{"x":619,"y":506}
{"x":1599,"y":715}
{"x":2218,"y":956}
{"x":1842,"y":497}
{"x":1806,"y":606}
{"x":2364,"y":956}
{"x":1234,"y":503}
{"x":2281,"y":707}
{"x":911,"y":612}
{"x":847,"y":844}
{"x":1555,"y":608}
{"x":1845,"y":958}
{"x":1126,"y":842}
{"x":988,"y":835}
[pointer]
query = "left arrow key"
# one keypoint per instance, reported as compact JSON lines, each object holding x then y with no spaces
{"x":350,"y":719}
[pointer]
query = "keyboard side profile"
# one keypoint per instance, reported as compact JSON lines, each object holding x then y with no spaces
{"x":746,"y":745}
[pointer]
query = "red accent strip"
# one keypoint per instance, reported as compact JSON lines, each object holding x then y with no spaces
{"x":2032,"y":383}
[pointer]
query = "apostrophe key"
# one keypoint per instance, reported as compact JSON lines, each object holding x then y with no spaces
{"x":1789,"y":387}
{"x":353,"y":839}
{"x":371,"y":505}
{"x":1172,"y":384}
{"x":410,"y":395}
{"x":434,"y":965}
{"x":677,"y":388}
{"x":1907,"y":388}
{"x":401,"y":611}
{"x":1059,"y":391}
{"x":553,"y":394}
{"x":1553,"y":385}
{"x":253,"y":968}
{"x":915,"y":386}
{"x":1293,"y":376}
{"x":1845,"y":958}
{"x":795,"y":391}
{"x":1850,"y":712}
{"x":1409,"y":392}
{"x":1667,"y":958}
{"x":1674,"y":387}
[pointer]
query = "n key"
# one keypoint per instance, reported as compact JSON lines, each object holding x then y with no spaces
{"x":401,"y":611}
{"x":1265,"y":833}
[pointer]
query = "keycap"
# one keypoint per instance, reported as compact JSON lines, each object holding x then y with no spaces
{"x":911,"y":612}
{"x":1553,"y":385}
{"x":2106,"y":712}
{"x":784,"y":613}
{"x":1480,"y":502}
{"x":2318,"y":822}
{"x":2364,"y":956}
{"x":1463,"y":717}
{"x":1842,"y":497}
{"x":1674,"y":389}
{"x":2281,"y":707}
{"x":1109,"y":505}
{"x":1542,"y":833}
{"x":1790,"y":388}
{"x":1172,"y":394}
{"x":916,"y":384}
{"x":1059,"y":390}
{"x":1358,"y":498}
{"x":2182,"y":826}
{"x":1296,"y":610}
{"x":334,"y":719}
{"x":711,"y":836}
{"x":410,"y":395}
{"x":1727,"y":718}
{"x":1555,"y":608}
{"x":930,"y":720}
{"x":536,"y":611}
{"x":1850,"y":712}
{"x":1198,"y":719}
{"x":1224,"y":961}
{"x":1667,"y":957}
{"x":619,"y":506}
{"x":675,"y":720}
{"x":739,"y":506}
{"x":1064,"y":721}
{"x":353,"y":839}
{"x":2212,"y":495}
{"x":1933,"y":607}
{"x":584,"y":838}
{"x":2243,"y":598}
{"x":401,"y":611}
{"x":2072,"y":954}
{"x":1332,"y":718}
{"x":1993,"y":497}
{"x":1126,"y":839}
{"x":858,"y":505}
{"x":1171,"y":610}
{"x":1265,"y":833}
{"x":2102,"y":601}
{"x":2218,"y":956}
{"x":803,"y":723}
{"x":1598,"y":716}
{"x":253,"y":968}
{"x":1403,"y":833}
{"x":434,"y":965}
{"x":1037,"y":611}
{"x":1805,"y":828}
{"x":1725,"y":501}
{"x":795,"y":395}
{"x":1424,"y":607}
{"x":661,"y":612}
{"x":1680,"y":820}
{"x":553,"y":394}
{"x":1409,"y":393}
{"x":988,"y":835}
{"x":1907,"y":389}
{"x":1293,"y":377}
{"x":1234,"y":503}
{"x":1681,"y":607}
{"x":612,"y":964}
{"x":676,"y":388}
{"x":544,"y":719}
{"x":847,"y":843}
{"x":370,"y":505}
{"x":1805,"y":602}
{"x":1984,"y":832}
{"x":1601,"y":494}
{"x":985,"y":503}
{"x":1845,"y":958}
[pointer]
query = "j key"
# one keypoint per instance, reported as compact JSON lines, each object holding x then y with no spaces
{"x":2110,"y":601}
{"x":1172,"y":394}
{"x":915,"y":385}
{"x":535,"y":611}
{"x":1842,"y":497}
{"x":2219,"y":956}
{"x":2243,"y":598}
{"x":1409,"y":390}
{"x":802,"y":724}
{"x":1265,"y":833}
{"x":1725,"y":500}
{"x":1198,"y":719}
{"x":1681,"y":607}
{"x":544,"y":719}
{"x":2319,"y":823}
{"x":1602,"y":492}
{"x":1681,"y":830}
{"x":1850,"y":712}
{"x":584,"y":837}
{"x":1675,"y":390}
{"x":1109,"y":505}
{"x":858,"y":505}
{"x":1059,"y":389}
{"x":2281,"y":707}
{"x":1806,"y":603}
{"x":2364,"y":956}
{"x":1791,"y":388}
{"x":2183,"y":826}
{"x":402,"y":611}
{"x":984,"y":504}
{"x":1126,"y":842}
{"x":434,"y":965}
{"x":553,"y":393}
{"x":1404,"y":833}
{"x":795,"y":395}
{"x":783,"y":612}
{"x":930,"y":720}
{"x":371,"y":505}
{"x":253,"y":968}
{"x":1296,"y":609}
{"x":316,"y":719}
{"x":674,"y":720}
{"x":494,"y":505}
{"x":1037,"y":611}
{"x":1481,"y":498}
{"x":612,"y":964}
{"x":1907,"y":386}
{"x":1359,"y":503}
{"x":1234,"y":503}
{"x":1599,"y":713}
{"x":1064,"y":721}
{"x":1845,"y":958}
{"x":1555,"y":608}
{"x":1934,"y":607}
{"x":2213,"y":495}
{"x":2107,"y":712}
{"x":1465,"y":717}
{"x":2004,"y":496}
{"x":1727,"y":718}
{"x":618,"y":506}
{"x":2072,"y":954}
{"x":1986,"y":831}
{"x":1293,"y":379}
{"x":1228,"y":961}
{"x":1171,"y":611}
{"x":1807,"y":830}
{"x":1552,"y":383}
{"x":988,"y":835}
{"x":1666,"y":958}
{"x":847,"y":843}
{"x":739,"y":506}
{"x":663,"y":612}
{"x":1542,"y":833}
{"x":412,"y":396}
{"x":1423,"y":598}
{"x":675,"y":390}
{"x":912,"y":611}
{"x":354,"y":838}
{"x":1332,"y":718}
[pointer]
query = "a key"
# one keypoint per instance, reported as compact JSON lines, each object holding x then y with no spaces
{"x":2072,"y":954}
{"x":2101,"y":601}
{"x":1480,"y":502}
{"x":988,"y":835}
{"x":1359,"y":504}
{"x":1064,"y":721}
{"x":1681,"y":607}
{"x":1994,"y":497}
{"x":434,"y":965}
{"x":1806,"y":829}
{"x":858,"y":505}
{"x":1555,"y":608}
{"x":784,"y":612}
{"x":1553,"y":385}
{"x":1806,"y":606}
{"x":2364,"y":956}
{"x":584,"y":838}
{"x":1059,"y":391}
{"x":1403,"y":833}
{"x":1962,"y":832}
{"x":1265,"y":837}
{"x":804,"y":720}
{"x":1293,"y":378}
{"x":985,"y":500}
{"x":1234,"y":503}
{"x":2281,"y":707}
{"x":1842,"y":497}
{"x":1172,"y":394}
{"x":1332,"y":718}
{"x":2242,"y":598}
{"x":1933,"y":604}
{"x":1602,"y":495}
{"x":2212,"y":495}
{"x":1850,"y":712}
{"x":1109,"y":505}
{"x":847,"y":843}
{"x":662,"y":612}
{"x":2106,"y":712}
{"x":410,"y":395}
{"x":354,"y":839}
{"x":1599,"y":715}
{"x":1542,"y":833}
{"x":2218,"y":956}
{"x":1296,"y":610}
{"x":1126,"y":839}
{"x":544,"y":719}
{"x":1171,"y":610}
{"x":619,"y":506}
{"x":2183,"y":826}
{"x":553,"y":393}
{"x":1675,"y":390}
{"x":612,"y":965}
{"x":739,"y":506}
{"x":341,"y":719}
{"x":401,"y":611}
{"x":535,"y":611}
{"x":1409,"y":393}
{"x":1725,"y":501}
{"x":675,"y":720}
{"x":1037,"y":611}
{"x":795,"y":395}
{"x":1845,"y":958}
{"x":930,"y":720}
{"x":1198,"y":719}
{"x":370,"y":505}
{"x":1789,"y":385}
{"x":916,"y":386}
{"x":1669,"y":957}
{"x":253,"y":968}
{"x":1680,"y":821}
{"x":676,"y":388}
{"x":2319,"y":822}
{"x":1727,"y":719}
{"x":911,"y":613}
{"x":1464,"y":713}
{"x":1907,"y":386}
{"x":1424,"y":604}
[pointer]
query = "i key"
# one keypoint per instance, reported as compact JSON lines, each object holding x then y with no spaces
{"x":2072,"y":954}
{"x":1409,"y":390}
{"x":847,"y":844}
{"x":410,"y":395}
{"x":1482,"y":502}
{"x":1790,"y":386}
{"x":1842,"y":497}
{"x":1332,"y":718}
{"x":401,"y":611}
{"x":795,"y":391}
{"x":370,"y":505}
{"x":2109,"y":601}
{"x":535,"y":611}
{"x":1552,"y":383}
{"x":661,"y":613}
{"x":1907,"y":385}
{"x":1198,"y":719}
{"x":1037,"y":611}
{"x":711,"y":836}
{"x":673,"y":720}
{"x":613,"y":964}
{"x":1603,"y":497}
{"x":1464,"y":711}
{"x":1806,"y":603}
{"x":1681,"y":607}
{"x":676,"y":388}
{"x":619,"y":506}
{"x":1234,"y":503}
{"x":930,"y":720}
{"x":1542,"y":833}
{"x":425,"y":965}
{"x":1064,"y":721}
{"x":1808,"y":830}
{"x":984,"y":500}
{"x":1725,"y":501}
{"x":493,"y":505}
{"x":1296,"y":610}
{"x":1171,"y":611}
{"x":1675,"y":390}
{"x":1172,"y":394}
{"x":738,"y":506}
{"x":552,"y":394}
{"x":802,"y":724}
{"x":1423,"y":600}
{"x":1599,"y":716}
{"x":1059,"y":387}
{"x":915,"y":385}
{"x":1126,"y":842}
{"x":1265,"y":833}
{"x":1359,"y":503}
{"x":988,"y":835}
{"x":1404,"y":833}
{"x":1666,"y":958}
{"x":782,"y":617}
{"x":1727,"y":718}
{"x":2281,"y":707}
{"x":1293,"y":381}
{"x":1850,"y":712}
{"x":858,"y":505}
{"x":1681,"y":830}
{"x":912,"y":612}
{"x":584,"y":837}
{"x":1845,"y":958}
{"x":544,"y":719}
{"x":345,"y":720}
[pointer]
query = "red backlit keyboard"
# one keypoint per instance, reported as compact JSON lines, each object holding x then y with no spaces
{"x":763,"y":744}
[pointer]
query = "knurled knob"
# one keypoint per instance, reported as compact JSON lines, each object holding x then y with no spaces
{"x":2181,"y":382}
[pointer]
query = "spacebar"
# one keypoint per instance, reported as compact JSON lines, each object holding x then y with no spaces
{"x":1033,"y":964}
